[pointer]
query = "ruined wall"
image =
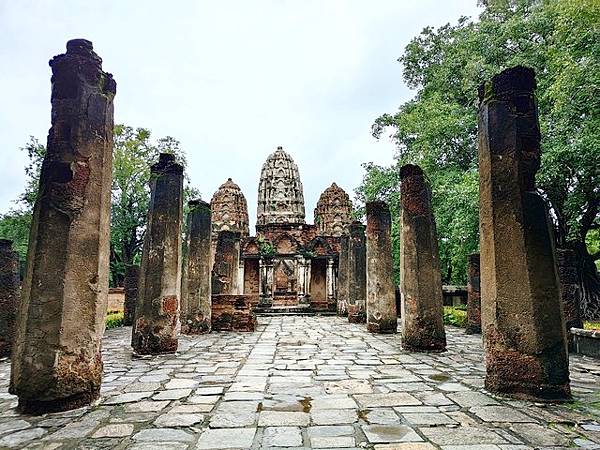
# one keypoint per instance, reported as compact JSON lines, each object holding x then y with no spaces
{"x":233,"y":313}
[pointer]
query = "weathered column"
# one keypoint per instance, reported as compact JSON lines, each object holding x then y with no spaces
{"x":159,"y":291}
{"x":261,"y":277}
{"x":196,"y":295}
{"x":342,"y":278}
{"x":130,"y":283}
{"x":226,"y":266}
{"x":381,"y":303}
{"x":307,"y":275}
{"x":421,"y":288}
{"x":240,"y":277}
{"x":9,"y":296}
{"x":569,"y":289}
{"x":357,"y":273}
{"x":300,"y":277}
{"x":521,"y":316}
{"x":57,"y":363}
{"x":473,"y":295}
{"x":330,"y":282}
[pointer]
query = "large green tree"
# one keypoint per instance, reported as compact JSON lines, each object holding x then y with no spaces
{"x":134,"y":151}
{"x":437,"y":129}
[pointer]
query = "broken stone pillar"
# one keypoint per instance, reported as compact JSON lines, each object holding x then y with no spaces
{"x":381,"y":302}
{"x":195,"y":299}
{"x":57,"y":363}
{"x":157,"y":310}
{"x":421,"y":288}
{"x":226,"y":266}
{"x":357,"y":273}
{"x":569,"y":289}
{"x":342,"y":278}
{"x":9,"y":296}
{"x":521,"y":314}
{"x":473,"y":295}
{"x":130,"y":283}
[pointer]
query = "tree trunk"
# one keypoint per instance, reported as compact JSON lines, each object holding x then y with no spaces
{"x":589,"y":281}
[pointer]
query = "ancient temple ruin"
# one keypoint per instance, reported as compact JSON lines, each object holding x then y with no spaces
{"x":289,"y":263}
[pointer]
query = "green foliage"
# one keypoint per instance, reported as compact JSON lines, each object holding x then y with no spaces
{"x":114,"y":319}
{"x":36,"y":152}
{"x":455,"y":316}
{"x":437,"y":129}
{"x":15,"y":226}
{"x":134,"y":152}
{"x":382,"y":183}
{"x":592,"y":241}
{"x":591,"y":325}
{"x":265,"y":248}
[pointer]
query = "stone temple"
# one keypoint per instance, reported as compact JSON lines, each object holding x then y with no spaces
{"x":289,"y":263}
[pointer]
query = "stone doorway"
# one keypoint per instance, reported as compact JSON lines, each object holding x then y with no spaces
{"x":318,"y":283}
{"x":251,"y":276}
{"x":285,"y":292}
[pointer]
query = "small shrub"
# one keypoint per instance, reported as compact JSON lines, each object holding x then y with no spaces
{"x":455,"y":316}
{"x":114,"y":319}
{"x":591,"y":325}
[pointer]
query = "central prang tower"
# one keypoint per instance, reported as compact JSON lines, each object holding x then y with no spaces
{"x":280,"y":195}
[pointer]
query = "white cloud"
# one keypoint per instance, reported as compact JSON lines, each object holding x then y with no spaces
{"x":231,"y":79}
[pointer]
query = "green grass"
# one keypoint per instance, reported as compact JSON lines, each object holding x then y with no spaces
{"x":114,"y":319}
{"x":456,"y":316}
{"x":591,"y":325}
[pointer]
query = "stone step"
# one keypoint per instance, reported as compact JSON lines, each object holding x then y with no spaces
{"x":291,"y":311}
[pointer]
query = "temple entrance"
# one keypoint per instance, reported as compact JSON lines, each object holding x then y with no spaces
{"x":251,"y":276}
{"x":318,"y":283}
{"x":285,"y":292}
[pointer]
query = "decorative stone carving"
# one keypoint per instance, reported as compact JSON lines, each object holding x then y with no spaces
{"x":280,"y":194}
{"x":229,"y":210}
{"x":333,"y":213}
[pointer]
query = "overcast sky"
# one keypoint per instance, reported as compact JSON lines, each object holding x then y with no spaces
{"x":231,"y":80}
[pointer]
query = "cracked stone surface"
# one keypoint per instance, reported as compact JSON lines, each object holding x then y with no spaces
{"x":306,"y":382}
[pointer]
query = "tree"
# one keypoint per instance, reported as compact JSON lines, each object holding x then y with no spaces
{"x":133,"y":153}
{"x":437,"y":129}
{"x":15,"y":224}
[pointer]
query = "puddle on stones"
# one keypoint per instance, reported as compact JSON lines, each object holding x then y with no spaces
{"x":439,"y":377}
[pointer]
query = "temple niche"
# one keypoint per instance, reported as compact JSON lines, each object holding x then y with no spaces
{"x":288,"y":264}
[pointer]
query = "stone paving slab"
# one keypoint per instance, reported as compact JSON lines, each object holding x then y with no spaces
{"x":303,"y":382}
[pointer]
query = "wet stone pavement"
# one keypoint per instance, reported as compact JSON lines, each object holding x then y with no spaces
{"x":306,"y":382}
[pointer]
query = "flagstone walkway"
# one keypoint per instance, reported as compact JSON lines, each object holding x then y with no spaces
{"x":306,"y":382}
